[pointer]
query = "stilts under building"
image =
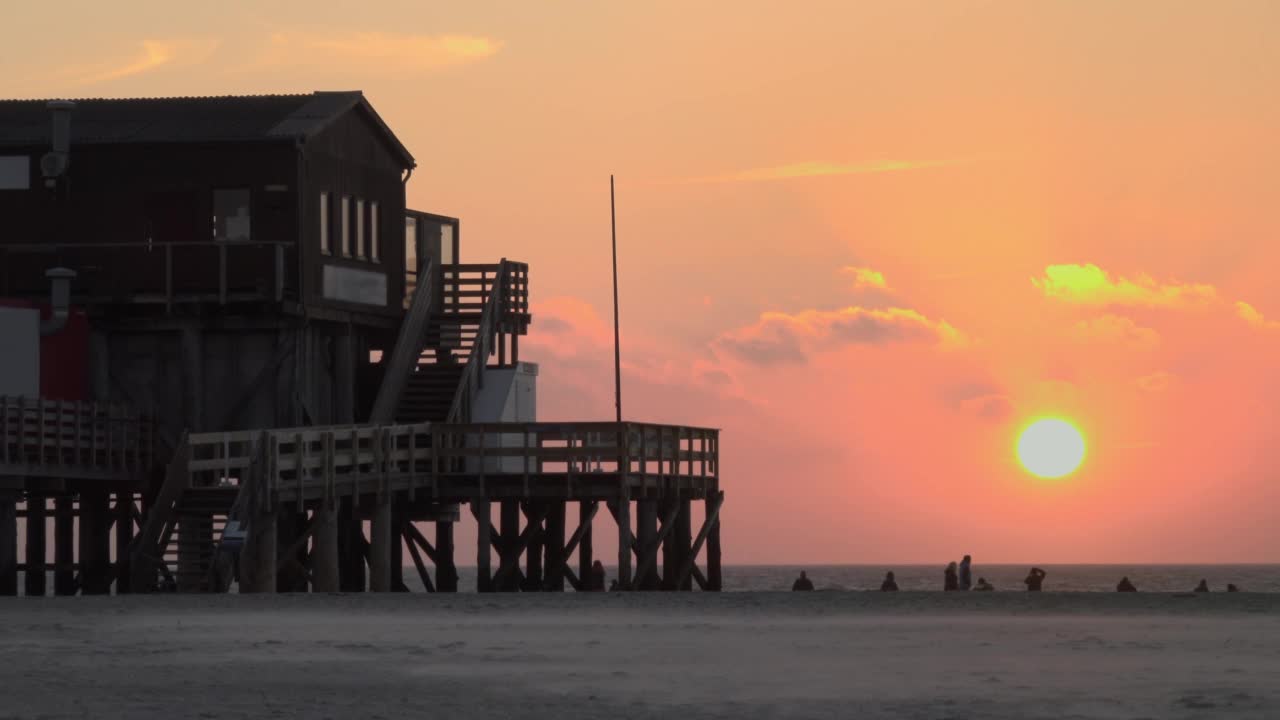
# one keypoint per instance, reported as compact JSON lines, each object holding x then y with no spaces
{"x":229,"y":353}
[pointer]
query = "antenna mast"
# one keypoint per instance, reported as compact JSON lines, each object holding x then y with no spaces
{"x":617,"y":353}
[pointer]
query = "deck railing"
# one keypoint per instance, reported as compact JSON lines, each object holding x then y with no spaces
{"x":73,"y":438}
{"x":328,"y":462}
{"x":167,"y":273}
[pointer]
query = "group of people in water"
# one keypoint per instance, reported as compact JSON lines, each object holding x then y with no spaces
{"x":959,"y":577}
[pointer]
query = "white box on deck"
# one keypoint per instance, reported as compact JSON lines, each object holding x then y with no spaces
{"x":509,"y":395}
{"x":19,"y":351}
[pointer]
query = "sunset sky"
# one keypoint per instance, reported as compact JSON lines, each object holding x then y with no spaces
{"x":869,"y":241}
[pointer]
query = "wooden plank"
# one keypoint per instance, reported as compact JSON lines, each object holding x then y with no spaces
{"x":484,"y":548}
{"x":646,"y":570}
{"x":423,"y":575}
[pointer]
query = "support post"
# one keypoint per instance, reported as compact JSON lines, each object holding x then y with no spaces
{"x":9,"y":543}
{"x":64,"y":573}
{"x":446,"y":568}
{"x":258,"y":559}
{"x":484,"y":545}
{"x":124,"y":538}
{"x":37,"y":554}
{"x":325,"y":576}
{"x":533,"y":551}
{"x":647,"y":534}
{"x":351,"y":565}
{"x":553,"y":543}
{"x":585,"y":517}
{"x":682,"y":536}
{"x":624,"y":540}
{"x":396,"y":550}
{"x":714,"y":580}
{"x":381,"y":536}
{"x":509,"y":519}
{"x":95,"y":542}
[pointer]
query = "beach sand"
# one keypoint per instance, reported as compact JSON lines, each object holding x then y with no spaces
{"x":733,"y":655}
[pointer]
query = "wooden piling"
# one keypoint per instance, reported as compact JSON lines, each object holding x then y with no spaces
{"x":396,"y":550}
{"x":714,"y":580}
{"x":258,"y":558}
{"x":446,"y":566}
{"x":623,"y":517}
{"x":325,"y":575}
{"x":9,"y":544}
{"x":381,"y":535}
{"x":95,"y":542}
{"x":585,"y":516}
{"x":351,"y":543}
{"x":509,"y":546}
{"x":64,"y":572}
{"x":553,"y":542}
{"x":647,"y":535}
{"x":534,"y":516}
{"x":124,"y":538}
{"x":484,"y":545}
{"x":677,"y":548}
{"x":37,"y":553}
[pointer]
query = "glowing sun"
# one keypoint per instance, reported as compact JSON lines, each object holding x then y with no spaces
{"x":1050,"y":448}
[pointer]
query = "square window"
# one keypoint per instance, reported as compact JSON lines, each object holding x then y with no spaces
{"x":231,"y":215}
{"x":325,"y":246}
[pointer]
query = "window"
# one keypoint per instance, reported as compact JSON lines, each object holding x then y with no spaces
{"x":325,"y":247}
{"x":231,"y":215}
{"x":359,"y":228}
{"x":375,"y":253}
{"x":346,"y":226}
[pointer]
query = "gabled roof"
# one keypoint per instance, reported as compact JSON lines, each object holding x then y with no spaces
{"x":190,"y":119}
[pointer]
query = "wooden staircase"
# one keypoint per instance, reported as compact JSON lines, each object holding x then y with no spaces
{"x":191,"y":540}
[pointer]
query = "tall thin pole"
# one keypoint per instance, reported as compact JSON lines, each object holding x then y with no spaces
{"x":617,"y":352}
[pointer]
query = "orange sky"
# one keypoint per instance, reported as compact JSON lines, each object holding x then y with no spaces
{"x":868,"y":240}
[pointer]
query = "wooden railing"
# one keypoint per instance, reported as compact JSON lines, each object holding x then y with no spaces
{"x":494,"y":305}
{"x":41,"y":436}
{"x":166,"y":273}
{"x":314,"y":462}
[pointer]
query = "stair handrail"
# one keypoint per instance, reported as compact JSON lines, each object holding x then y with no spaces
{"x":408,"y":348}
{"x":481,"y":349}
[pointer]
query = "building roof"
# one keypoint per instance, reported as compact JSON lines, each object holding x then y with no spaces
{"x":228,"y":118}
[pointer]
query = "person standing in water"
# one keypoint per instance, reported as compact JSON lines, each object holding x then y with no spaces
{"x":1203,"y":586}
{"x":949,"y":579}
{"x":1125,"y":586}
{"x":966,"y":574}
{"x":984,"y":586}
{"x":1035,"y":579}
{"x":802,"y":583}
{"x":889,"y":584}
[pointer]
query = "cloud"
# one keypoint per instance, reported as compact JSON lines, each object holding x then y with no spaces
{"x":389,"y":51}
{"x":154,"y":54}
{"x":1156,"y":382}
{"x":865,"y":277}
{"x":1117,"y":330}
{"x":817,"y":169}
{"x":988,"y":407}
{"x":787,"y":339}
{"x":1255,"y":318}
{"x":1091,"y":285}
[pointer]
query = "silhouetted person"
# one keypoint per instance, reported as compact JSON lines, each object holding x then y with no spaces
{"x":596,"y":583}
{"x":1035,"y":579}
{"x":889,"y":584}
{"x":1125,"y":586}
{"x":1202,"y":587}
{"x":983,"y":586}
{"x":613,"y":586}
{"x":950,"y":581}
{"x":802,"y":583}
{"x":966,"y":576}
{"x":1232,"y":588}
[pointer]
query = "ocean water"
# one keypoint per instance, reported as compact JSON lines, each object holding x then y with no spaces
{"x":1060,"y":578}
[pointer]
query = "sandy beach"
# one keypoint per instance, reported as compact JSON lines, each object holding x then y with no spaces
{"x":739,"y":655}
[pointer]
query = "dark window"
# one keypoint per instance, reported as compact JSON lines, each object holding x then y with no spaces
{"x":325,"y":211}
{"x":231,"y":214}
